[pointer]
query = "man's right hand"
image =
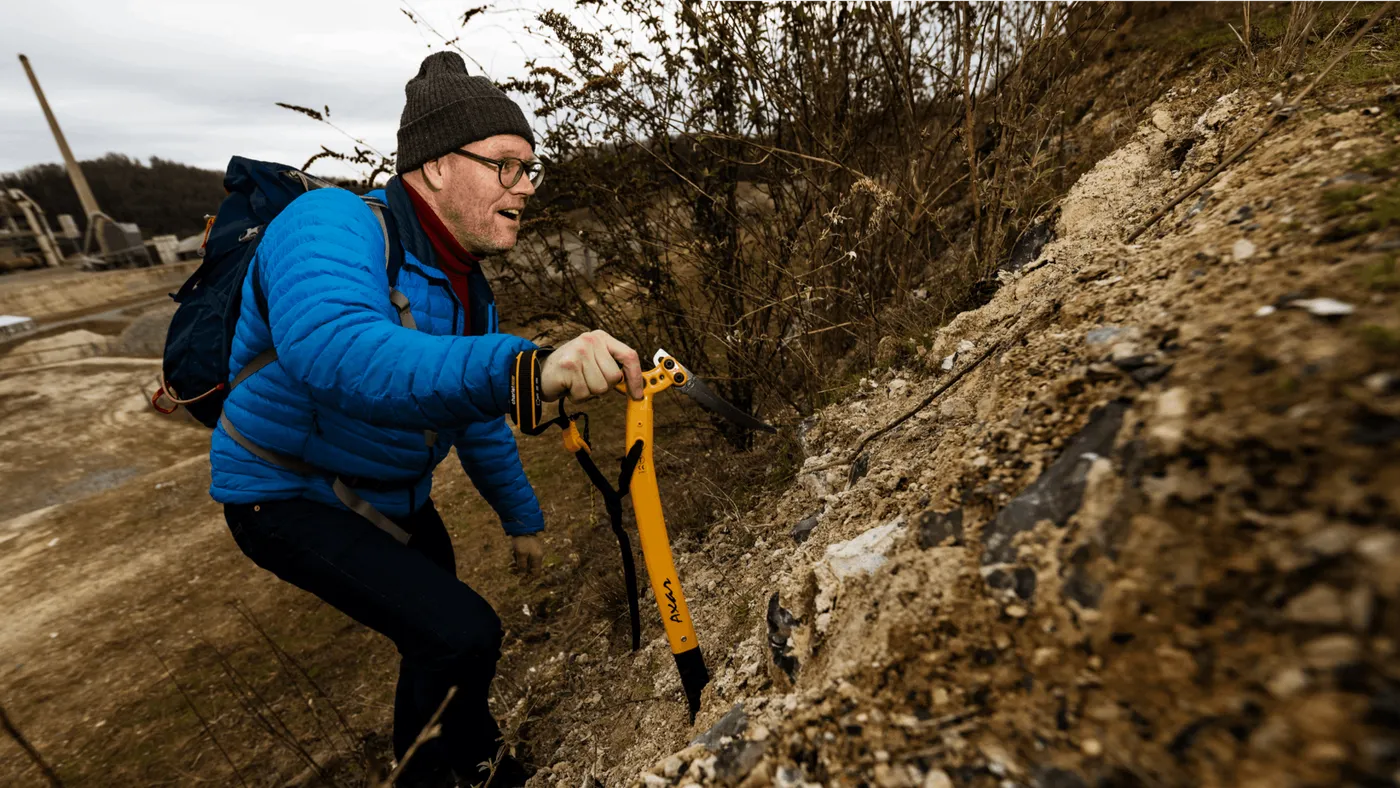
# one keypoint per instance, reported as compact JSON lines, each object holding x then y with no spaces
{"x":588,"y":365}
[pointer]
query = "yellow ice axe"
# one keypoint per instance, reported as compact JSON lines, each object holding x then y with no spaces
{"x":639,"y":478}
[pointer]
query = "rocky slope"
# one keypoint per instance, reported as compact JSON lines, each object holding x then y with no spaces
{"x":1152,"y":539}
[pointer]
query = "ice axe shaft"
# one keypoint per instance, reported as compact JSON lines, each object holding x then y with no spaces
{"x":656,"y":543}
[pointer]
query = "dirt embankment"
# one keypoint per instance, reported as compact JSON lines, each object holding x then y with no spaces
{"x":1152,"y":540}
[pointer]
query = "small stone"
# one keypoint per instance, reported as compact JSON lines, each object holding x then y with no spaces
{"x":1333,"y":540}
{"x":1323,"y":307}
{"x":1174,"y":404}
{"x":1091,"y":748}
{"x":1378,"y":548}
{"x":731,"y":725}
{"x":1321,"y":605}
{"x":948,"y":360}
{"x":1265,"y":311}
{"x":1332,"y":651}
{"x":1122,"y":351}
{"x":1017,"y":611}
{"x":1044,"y":656}
{"x":1162,"y":120}
{"x":940,"y":696}
{"x":1243,"y":214}
{"x":803,"y":530}
{"x":1383,"y":383}
{"x":865,"y":553}
{"x":1150,"y":374}
{"x":937,"y":778}
{"x":671,"y":767}
{"x":1103,"y":335}
{"x":1371,"y":111}
{"x":966,"y":346}
{"x":655,"y":780}
{"x":1243,"y":249}
{"x":1287,"y":682}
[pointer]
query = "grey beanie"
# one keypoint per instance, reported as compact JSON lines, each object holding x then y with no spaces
{"x":446,"y":109}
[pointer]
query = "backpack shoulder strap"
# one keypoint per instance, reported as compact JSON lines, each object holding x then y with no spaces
{"x":393,"y":263}
{"x":393,"y":260}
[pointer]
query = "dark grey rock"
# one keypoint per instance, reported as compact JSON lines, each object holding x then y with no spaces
{"x":1024,"y":582}
{"x":1150,"y":374}
{"x":860,"y":467}
{"x":1374,"y":429}
{"x":1027,"y":248}
{"x":780,"y":624}
{"x":1242,"y":214}
{"x":731,"y":725}
{"x":937,"y":527}
{"x":736,"y":759}
{"x":1058,"y":492}
{"x":1130,"y":363}
{"x":803,"y":529}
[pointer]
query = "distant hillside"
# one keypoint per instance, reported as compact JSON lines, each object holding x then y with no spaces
{"x":163,"y":197}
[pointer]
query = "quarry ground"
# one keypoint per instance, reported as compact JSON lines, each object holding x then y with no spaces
{"x":1152,"y":539}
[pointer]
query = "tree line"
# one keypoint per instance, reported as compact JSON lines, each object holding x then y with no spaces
{"x":163,"y":197}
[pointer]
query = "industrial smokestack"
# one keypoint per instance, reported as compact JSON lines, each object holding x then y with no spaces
{"x":75,"y":174}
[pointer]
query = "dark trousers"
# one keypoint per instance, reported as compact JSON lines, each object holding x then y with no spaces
{"x":446,"y":634}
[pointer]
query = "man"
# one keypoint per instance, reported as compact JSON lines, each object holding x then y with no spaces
{"x":354,"y":398}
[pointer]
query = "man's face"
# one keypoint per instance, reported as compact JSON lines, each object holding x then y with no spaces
{"x":483,"y":215}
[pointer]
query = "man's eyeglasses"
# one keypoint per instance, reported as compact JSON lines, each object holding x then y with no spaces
{"x":509,"y":169}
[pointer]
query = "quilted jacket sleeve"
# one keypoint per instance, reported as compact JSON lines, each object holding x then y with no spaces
{"x":492,"y":461}
{"x":322,"y":268}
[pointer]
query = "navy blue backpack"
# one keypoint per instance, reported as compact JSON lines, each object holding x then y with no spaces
{"x":194,"y":372}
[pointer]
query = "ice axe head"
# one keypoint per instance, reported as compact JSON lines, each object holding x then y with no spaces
{"x":682,"y":379}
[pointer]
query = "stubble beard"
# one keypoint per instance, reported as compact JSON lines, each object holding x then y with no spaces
{"x":471,"y":241}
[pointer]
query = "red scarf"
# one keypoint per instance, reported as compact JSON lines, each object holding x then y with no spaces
{"x":452,"y":257}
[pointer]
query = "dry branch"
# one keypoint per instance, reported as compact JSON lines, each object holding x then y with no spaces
{"x":29,"y":749}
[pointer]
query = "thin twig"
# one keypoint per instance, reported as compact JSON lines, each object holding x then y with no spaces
{"x":947,"y":384}
{"x":29,"y":749}
{"x":205,"y":723}
{"x":1278,"y":117}
{"x":272,"y":722}
{"x":430,"y":731}
{"x":287,"y":659}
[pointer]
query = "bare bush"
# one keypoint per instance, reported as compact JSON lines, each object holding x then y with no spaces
{"x":762,"y":186}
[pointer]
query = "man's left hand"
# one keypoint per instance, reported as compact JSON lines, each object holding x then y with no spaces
{"x":529,"y":553}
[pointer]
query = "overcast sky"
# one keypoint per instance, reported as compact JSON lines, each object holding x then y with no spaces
{"x":196,"y":81}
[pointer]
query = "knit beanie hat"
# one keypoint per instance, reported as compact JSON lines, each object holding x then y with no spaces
{"x":446,"y":109}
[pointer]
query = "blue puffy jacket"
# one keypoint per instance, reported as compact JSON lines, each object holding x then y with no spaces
{"x":352,"y":391}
